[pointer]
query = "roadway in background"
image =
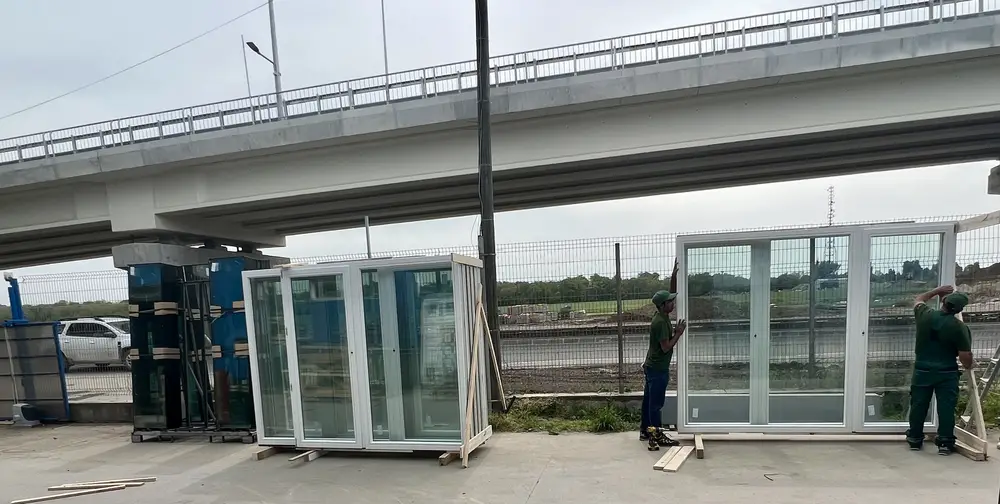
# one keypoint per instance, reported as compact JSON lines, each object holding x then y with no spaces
{"x":886,"y":343}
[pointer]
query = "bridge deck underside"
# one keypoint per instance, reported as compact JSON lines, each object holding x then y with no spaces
{"x":861,"y":150}
{"x":848,"y":151}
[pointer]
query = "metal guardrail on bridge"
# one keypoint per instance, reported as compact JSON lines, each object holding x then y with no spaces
{"x":706,"y":39}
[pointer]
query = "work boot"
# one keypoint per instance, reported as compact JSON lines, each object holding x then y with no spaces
{"x":651,"y":443}
{"x":662,"y":439}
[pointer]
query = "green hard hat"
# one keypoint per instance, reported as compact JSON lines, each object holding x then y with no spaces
{"x":957,"y":300}
{"x":662,"y":297}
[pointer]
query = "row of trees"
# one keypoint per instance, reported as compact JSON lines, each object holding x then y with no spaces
{"x":602,"y":288}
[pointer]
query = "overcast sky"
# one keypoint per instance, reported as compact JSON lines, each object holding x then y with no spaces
{"x":53,"y":46}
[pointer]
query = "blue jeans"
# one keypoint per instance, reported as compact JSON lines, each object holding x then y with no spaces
{"x":654,"y":393}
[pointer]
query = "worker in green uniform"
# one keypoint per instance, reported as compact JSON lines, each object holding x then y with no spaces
{"x":656,"y":368}
{"x":941,"y":338}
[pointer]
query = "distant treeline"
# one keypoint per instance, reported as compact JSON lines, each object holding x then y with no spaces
{"x":601,"y":288}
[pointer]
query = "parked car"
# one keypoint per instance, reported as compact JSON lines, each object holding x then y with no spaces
{"x":97,"y":341}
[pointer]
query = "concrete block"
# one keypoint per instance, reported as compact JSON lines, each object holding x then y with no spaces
{"x":93,"y":412}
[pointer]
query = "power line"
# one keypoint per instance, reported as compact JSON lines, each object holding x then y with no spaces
{"x":143,"y":62}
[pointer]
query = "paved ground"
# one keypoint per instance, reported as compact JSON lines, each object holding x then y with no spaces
{"x":511,"y":468}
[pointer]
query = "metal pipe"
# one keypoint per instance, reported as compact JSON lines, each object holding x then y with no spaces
{"x":385,"y":54}
{"x":486,"y":182}
{"x":813,"y":273}
{"x":368,"y":237}
{"x":621,"y":329}
{"x":279,"y":101}
{"x":246,"y":71}
{"x":246,"y":68}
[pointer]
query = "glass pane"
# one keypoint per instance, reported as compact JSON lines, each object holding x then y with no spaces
{"x":376,"y":356}
{"x":324,"y":358}
{"x":718,"y":334}
{"x":428,"y":362}
{"x":901,"y":268}
{"x":808,"y":330}
{"x":272,"y":357}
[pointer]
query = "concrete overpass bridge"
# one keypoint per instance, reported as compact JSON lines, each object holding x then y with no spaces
{"x":835,"y":89}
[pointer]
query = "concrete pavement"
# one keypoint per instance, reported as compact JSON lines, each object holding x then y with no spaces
{"x":510,"y":468}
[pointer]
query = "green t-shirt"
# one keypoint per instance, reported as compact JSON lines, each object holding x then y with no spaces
{"x":940,"y":336}
{"x":659,"y":330}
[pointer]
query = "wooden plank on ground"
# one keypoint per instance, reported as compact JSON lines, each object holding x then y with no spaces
{"x":671,"y":453}
{"x":265,"y":453}
{"x":969,"y":452}
{"x":309,"y":456}
{"x":699,"y":446}
{"x":676,"y":462}
{"x":971,"y":440}
{"x":91,"y":486}
{"x":143,"y":479}
{"x":68,"y":494}
{"x":447,"y":458}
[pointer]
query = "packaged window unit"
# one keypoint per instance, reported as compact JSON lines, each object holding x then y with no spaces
{"x":372,"y":354}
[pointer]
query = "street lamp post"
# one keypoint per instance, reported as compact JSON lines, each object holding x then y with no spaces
{"x":280,"y":103}
{"x":276,"y":67}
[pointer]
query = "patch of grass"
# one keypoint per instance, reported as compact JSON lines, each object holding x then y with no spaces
{"x":554,"y":416}
{"x":991,"y":407}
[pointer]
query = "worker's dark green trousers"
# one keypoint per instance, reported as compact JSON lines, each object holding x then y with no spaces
{"x":943,"y":385}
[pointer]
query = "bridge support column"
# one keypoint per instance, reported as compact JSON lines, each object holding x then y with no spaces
{"x":993,"y":184}
{"x":132,"y":208}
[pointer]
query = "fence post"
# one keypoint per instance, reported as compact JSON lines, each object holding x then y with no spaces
{"x":621,"y":329}
{"x":813,"y":271}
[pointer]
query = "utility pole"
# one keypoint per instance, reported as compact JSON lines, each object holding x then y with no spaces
{"x":385,"y":53}
{"x":486,"y":225}
{"x":279,"y":101}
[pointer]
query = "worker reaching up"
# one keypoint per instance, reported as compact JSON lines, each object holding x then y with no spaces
{"x":941,"y":338}
{"x":656,"y":368}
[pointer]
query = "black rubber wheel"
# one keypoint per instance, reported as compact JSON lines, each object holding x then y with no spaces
{"x":125,"y":360}
{"x":66,"y":363}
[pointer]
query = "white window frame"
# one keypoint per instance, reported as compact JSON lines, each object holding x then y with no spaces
{"x":856,"y":331}
{"x":357,"y":344}
{"x":258,"y":403}
{"x":947,"y":252}
{"x":348,"y":277}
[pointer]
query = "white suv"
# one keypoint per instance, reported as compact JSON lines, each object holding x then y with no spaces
{"x":98,"y":341}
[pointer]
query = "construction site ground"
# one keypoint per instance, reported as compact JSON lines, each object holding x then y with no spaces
{"x":510,"y":468}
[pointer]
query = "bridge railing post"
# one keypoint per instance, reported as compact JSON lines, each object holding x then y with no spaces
{"x":835,"y":24}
